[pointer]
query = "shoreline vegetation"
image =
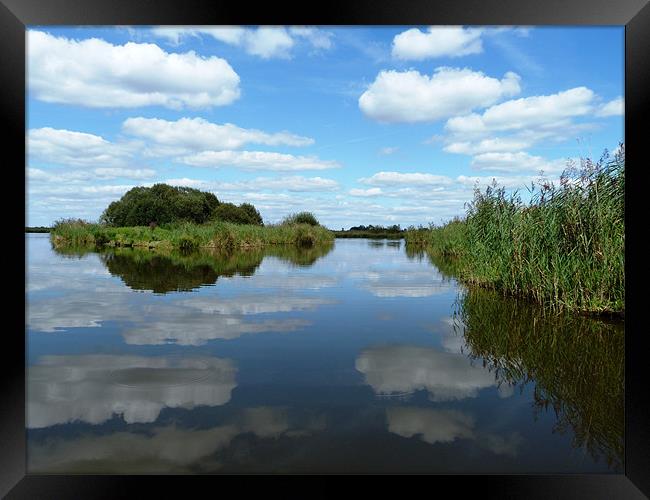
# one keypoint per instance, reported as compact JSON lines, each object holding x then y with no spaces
{"x":166,"y":217}
{"x":373,"y":232}
{"x":565,"y":249}
{"x":186,"y":236}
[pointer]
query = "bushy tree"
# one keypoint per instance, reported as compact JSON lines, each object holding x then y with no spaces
{"x":242,"y":214}
{"x":301,"y":218}
{"x":160,"y":204}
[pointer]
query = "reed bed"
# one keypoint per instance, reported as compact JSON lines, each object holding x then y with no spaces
{"x":188,"y":236}
{"x":564,"y":249}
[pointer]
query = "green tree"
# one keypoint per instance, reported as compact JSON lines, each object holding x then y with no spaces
{"x":160,"y":204}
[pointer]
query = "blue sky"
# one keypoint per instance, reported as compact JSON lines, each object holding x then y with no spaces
{"x":360,"y":125}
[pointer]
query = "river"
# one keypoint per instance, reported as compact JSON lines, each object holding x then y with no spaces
{"x":361,"y":357}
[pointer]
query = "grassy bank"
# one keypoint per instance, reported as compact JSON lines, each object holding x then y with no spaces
{"x":188,"y":236}
{"x":564,"y":249}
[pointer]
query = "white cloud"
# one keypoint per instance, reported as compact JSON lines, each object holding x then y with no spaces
{"x":615,"y":107}
{"x":77,"y":149}
{"x":536,"y":112}
{"x":94,"y":387}
{"x":517,"y":162}
{"x":487,"y":146}
{"x":366,"y":192}
{"x":388,"y":150}
{"x":294,"y":183}
{"x":409,"y":96}
{"x":257,"y":160}
{"x":398,"y":178}
{"x":319,"y":39}
{"x":76,"y":176}
{"x":96,"y":73}
{"x":195,"y":134}
{"x":437,"y":41}
{"x":266,"y":42}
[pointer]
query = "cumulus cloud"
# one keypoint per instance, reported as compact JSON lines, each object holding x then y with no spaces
{"x":409,"y":96}
{"x":615,"y":107}
{"x":496,"y":144}
{"x":257,"y":160}
{"x":196,"y":134}
{"x":404,"y":369}
{"x":77,"y":149}
{"x":296,"y":183}
{"x":517,"y":162}
{"x":544,"y":112}
{"x":437,"y":41}
{"x":96,"y":73}
{"x":94,"y":387}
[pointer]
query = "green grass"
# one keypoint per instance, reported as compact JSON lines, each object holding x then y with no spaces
{"x":564,"y":249}
{"x":187,"y":236}
{"x":37,"y":229}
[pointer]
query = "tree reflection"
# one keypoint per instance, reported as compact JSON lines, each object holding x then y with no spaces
{"x":174,"y":271}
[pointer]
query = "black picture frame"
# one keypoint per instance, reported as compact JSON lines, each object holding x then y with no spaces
{"x":15,"y":15}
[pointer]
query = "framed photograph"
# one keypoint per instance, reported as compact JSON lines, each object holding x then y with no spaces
{"x":377,"y":238}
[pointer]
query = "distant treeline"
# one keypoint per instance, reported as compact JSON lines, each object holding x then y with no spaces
{"x":37,"y":229}
{"x":370,"y":231}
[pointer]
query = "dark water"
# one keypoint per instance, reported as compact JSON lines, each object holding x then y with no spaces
{"x":361,"y":357}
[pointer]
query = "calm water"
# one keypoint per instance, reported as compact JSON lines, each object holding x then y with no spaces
{"x":362,"y":357}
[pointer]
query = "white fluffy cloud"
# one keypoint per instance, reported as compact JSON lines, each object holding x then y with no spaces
{"x":77,"y":149}
{"x":496,"y":144}
{"x":516,"y":163}
{"x":257,"y":160}
{"x":195,"y":134}
{"x":437,"y":41}
{"x":615,"y":107}
{"x":409,"y":96}
{"x":536,"y":112}
{"x":96,"y":73}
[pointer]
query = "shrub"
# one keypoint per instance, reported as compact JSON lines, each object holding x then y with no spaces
{"x":301,"y":218}
{"x":242,"y":214}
